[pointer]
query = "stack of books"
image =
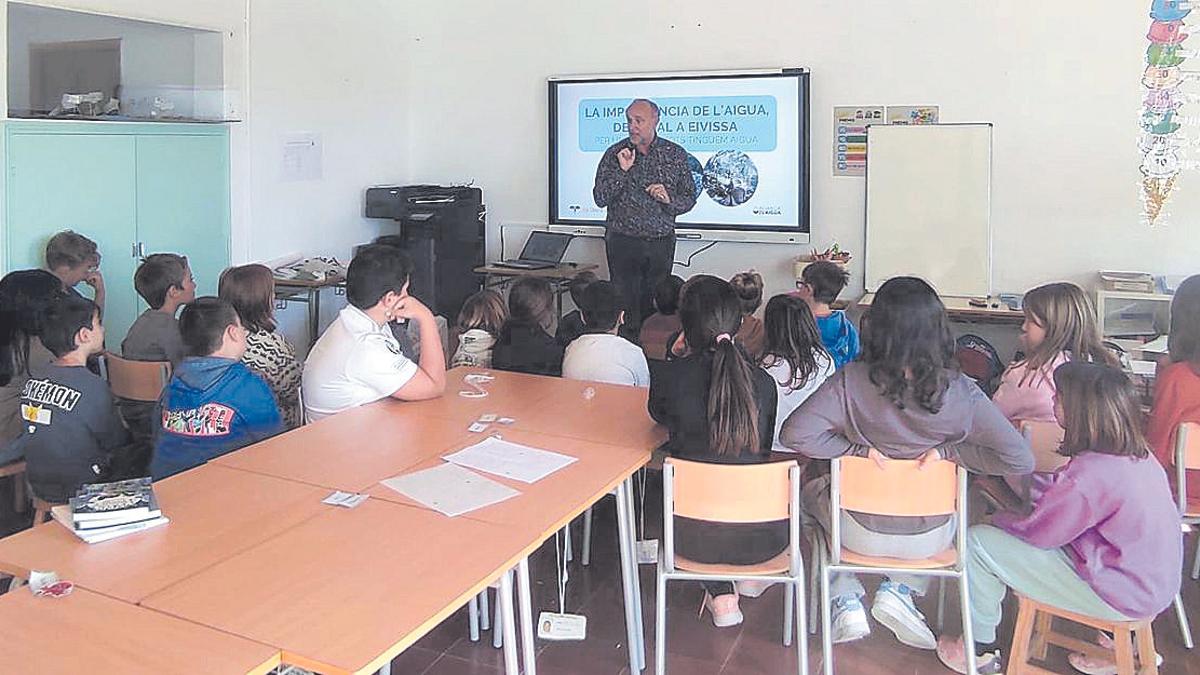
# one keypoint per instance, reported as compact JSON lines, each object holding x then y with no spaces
{"x":103,"y":511}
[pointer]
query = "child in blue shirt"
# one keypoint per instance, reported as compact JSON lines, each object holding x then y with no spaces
{"x":213,"y":404}
{"x":820,"y":284}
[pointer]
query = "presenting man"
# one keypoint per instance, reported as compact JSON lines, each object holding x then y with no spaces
{"x":644,"y":182}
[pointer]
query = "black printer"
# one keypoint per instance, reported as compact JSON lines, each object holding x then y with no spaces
{"x":442,"y":231}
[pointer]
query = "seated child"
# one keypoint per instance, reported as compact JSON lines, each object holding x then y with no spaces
{"x":793,"y":355}
{"x":1103,"y":539}
{"x":600,"y":354}
{"x":718,"y":407}
{"x":571,"y":326}
{"x":165,"y":282}
{"x":251,"y":291}
{"x":213,"y":404}
{"x":820,"y":284}
{"x":1177,"y":387}
{"x":1060,"y":325}
{"x":905,"y":399}
{"x":660,"y":327}
{"x":480,"y":321}
{"x":75,"y":259}
{"x":72,"y":429}
{"x":25,"y":296}
{"x":525,"y":343}
{"x":749,"y":288}
{"x":358,"y":360}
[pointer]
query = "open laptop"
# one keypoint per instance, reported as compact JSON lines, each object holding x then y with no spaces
{"x":543,"y":250}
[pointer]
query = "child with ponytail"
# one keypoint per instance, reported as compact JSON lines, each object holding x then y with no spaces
{"x":718,"y":407}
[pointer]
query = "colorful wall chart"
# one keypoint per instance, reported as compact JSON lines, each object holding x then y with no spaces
{"x":1161,"y":141}
{"x":850,"y":140}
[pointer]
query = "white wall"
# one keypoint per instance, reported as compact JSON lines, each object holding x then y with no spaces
{"x":1059,"y":80}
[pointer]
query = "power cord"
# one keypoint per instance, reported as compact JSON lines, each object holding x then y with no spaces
{"x":695,"y":253}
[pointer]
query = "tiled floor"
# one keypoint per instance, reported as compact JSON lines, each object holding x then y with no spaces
{"x":694,"y":646}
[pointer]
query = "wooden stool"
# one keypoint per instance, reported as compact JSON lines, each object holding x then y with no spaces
{"x":41,"y":511}
{"x":1034,"y":634}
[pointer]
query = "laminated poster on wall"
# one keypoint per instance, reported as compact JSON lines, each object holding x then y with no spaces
{"x":1166,"y":119}
{"x":300,"y":157}
{"x":912,"y":114}
{"x":850,"y":137}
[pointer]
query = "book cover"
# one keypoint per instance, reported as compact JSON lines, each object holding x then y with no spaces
{"x":106,"y":501}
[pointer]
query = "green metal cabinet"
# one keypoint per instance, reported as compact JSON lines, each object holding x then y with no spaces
{"x":135,"y":189}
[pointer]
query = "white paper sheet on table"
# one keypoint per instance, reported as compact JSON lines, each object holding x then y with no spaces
{"x":450,"y":490}
{"x":1155,"y":346}
{"x":1143,"y":367}
{"x":510,"y":460}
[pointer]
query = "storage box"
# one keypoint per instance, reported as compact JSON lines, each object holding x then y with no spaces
{"x":1132,"y":282}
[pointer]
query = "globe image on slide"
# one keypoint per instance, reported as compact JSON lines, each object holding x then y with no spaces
{"x":697,"y":170}
{"x":730,"y":178}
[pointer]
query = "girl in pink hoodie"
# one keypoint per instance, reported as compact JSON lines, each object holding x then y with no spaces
{"x":1103,"y":539}
{"x":1060,"y":325}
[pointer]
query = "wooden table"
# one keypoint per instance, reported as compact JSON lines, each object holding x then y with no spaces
{"x":251,"y":550}
{"x":351,"y":450}
{"x":215,"y":513}
{"x":86,"y":632}
{"x":349,"y":590}
{"x":960,"y":309}
{"x":558,"y":276}
{"x":509,"y":395}
{"x":308,"y":292}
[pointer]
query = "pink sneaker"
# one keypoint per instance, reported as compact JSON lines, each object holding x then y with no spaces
{"x":724,"y":609}
{"x":1093,"y":666}
{"x":951,"y":653}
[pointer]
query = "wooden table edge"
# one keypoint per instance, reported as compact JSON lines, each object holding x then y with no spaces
{"x":640,"y":459}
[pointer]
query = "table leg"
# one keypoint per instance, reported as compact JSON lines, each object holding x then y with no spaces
{"x":508,"y":624}
{"x":631,"y":515}
{"x":628,"y":571}
{"x":314,"y":315}
{"x":528,"y":648}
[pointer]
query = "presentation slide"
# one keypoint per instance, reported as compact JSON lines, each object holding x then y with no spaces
{"x":745,"y":137}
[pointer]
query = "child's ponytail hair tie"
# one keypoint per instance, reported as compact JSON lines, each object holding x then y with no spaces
{"x":724,"y":337}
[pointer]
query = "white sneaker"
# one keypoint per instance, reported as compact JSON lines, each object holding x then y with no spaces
{"x":849,"y":619}
{"x":753,"y":588}
{"x":894,"y":608}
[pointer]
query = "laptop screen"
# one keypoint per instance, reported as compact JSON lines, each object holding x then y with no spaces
{"x":546,"y":246}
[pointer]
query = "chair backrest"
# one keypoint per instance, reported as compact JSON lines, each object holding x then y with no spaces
{"x":1044,"y":439}
{"x":1187,"y":456}
{"x":134,"y":380}
{"x":899,"y":488}
{"x":731,"y":493}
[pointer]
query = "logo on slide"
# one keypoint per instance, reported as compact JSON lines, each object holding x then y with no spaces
{"x":730,"y":178}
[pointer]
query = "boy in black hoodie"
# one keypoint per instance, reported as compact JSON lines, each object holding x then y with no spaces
{"x":72,"y":427}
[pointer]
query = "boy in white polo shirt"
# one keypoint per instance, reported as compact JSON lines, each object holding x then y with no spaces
{"x":358,"y":360}
{"x":600,"y":355}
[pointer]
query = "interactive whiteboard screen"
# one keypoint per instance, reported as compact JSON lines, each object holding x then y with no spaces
{"x":929,"y":206}
{"x":746,"y":135}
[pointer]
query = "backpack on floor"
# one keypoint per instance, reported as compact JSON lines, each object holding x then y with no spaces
{"x":979,"y":361}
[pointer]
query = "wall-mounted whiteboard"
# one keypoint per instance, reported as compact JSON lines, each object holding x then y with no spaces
{"x":929,"y":206}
